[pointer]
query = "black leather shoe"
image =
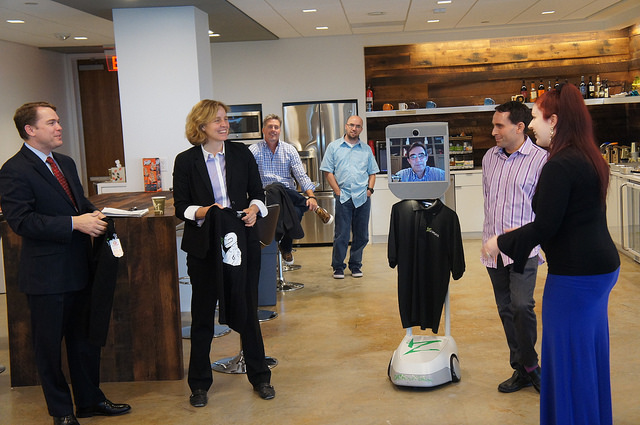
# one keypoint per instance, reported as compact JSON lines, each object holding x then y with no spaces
{"x":105,"y":408}
{"x":198,"y":398}
{"x":517,"y":382}
{"x":65,"y":420}
{"x":534,"y":375}
{"x":265,"y":390}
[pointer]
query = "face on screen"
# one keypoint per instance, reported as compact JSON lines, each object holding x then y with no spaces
{"x":417,"y":159}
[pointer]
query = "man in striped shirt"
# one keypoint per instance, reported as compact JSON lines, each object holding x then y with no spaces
{"x":510,"y":172}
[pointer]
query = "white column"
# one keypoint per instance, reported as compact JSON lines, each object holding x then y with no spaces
{"x":164,"y":68}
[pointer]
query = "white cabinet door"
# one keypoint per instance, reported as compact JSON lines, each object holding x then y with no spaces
{"x":469,"y":202}
{"x":381,"y":202}
{"x":613,"y":208}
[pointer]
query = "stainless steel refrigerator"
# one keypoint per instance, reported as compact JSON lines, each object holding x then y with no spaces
{"x":310,"y":127}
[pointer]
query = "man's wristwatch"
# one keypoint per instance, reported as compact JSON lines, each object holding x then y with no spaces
{"x":370,"y":189}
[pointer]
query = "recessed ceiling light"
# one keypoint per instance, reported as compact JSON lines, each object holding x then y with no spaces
{"x":439,"y":10}
{"x":15,"y":21}
{"x":309,"y":10}
{"x":376,"y":13}
{"x":433,"y":21}
{"x":548,"y":12}
{"x":322,"y":28}
{"x":214,"y":34}
{"x":80,"y":37}
{"x":444,"y":1}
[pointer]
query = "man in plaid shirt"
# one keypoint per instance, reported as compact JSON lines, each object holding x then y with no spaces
{"x":279,"y":162}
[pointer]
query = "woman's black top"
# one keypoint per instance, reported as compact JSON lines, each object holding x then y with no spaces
{"x":570,"y":223}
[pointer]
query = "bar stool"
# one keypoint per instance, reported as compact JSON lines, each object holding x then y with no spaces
{"x":281,"y":284}
{"x":266,"y":229}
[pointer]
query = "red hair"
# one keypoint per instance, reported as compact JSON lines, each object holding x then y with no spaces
{"x":574,"y":129}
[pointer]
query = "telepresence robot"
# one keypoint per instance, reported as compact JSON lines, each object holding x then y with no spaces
{"x":426,"y":360}
{"x":422,"y":360}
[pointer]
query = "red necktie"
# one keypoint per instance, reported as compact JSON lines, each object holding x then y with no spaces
{"x":61,"y":179}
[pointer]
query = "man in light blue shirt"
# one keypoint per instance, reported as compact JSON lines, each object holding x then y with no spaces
{"x":350,"y":169}
{"x":279,"y":162}
{"x":419,"y":170}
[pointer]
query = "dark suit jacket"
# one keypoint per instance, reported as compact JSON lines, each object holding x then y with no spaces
{"x":54,"y":259}
{"x":191,"y":186}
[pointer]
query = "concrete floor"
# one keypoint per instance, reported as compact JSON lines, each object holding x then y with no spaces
{"x":333,"y":340}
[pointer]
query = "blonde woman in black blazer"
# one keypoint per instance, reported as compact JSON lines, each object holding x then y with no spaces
{"x":213,"y":179}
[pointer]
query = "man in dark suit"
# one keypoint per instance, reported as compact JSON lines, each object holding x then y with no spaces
{"x":43,"y":201}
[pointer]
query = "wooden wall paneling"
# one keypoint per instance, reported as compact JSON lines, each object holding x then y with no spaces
{"x":445,"y":63}
{"x":634,"y":49}
{"x":463,"y":73}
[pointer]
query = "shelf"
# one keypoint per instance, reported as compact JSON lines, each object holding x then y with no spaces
{"x":487,"y":108}
{"x":460,"y":152}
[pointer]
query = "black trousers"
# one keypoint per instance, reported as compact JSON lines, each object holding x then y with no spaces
{"x":203,"y":306}
{"x":300,"y":204}
{"x":52,"y":318}
{"x":514,"y":298}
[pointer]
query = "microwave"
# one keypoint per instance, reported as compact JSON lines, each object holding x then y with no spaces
{"x":245,"y":125}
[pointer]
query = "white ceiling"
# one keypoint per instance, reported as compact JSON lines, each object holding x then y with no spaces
{"x":251,"y":20}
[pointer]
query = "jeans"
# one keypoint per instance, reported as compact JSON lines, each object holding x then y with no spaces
{"x":350,"y":220}
{"x":514,"y":298}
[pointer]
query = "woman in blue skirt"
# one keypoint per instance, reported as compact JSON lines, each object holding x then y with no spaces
{"x":583,"y":262}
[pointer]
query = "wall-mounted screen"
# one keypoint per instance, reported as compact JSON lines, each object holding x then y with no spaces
{"x":417,"y":159}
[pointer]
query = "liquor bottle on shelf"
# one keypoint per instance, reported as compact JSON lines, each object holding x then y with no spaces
{"x":557,"y":84}
{"x":583,"y":88}
{"x":541,"y":88}
{"x":523,"y":90}
{"x":599,"y":90}
{"x":549,"y":87}
{"x":605,"y":88}
{"x":369,"y":98}
{"x":591,"y":88}
{"x":534,"y":92}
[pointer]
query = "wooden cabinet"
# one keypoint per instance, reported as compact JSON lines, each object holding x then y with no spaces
{"x":145,"y":335}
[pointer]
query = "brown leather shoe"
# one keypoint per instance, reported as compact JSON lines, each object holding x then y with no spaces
{"x":287,"y":257}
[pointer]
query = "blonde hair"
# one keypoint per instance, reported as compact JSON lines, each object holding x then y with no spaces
{"x":201,"y":114}
{"x":269,"y":118}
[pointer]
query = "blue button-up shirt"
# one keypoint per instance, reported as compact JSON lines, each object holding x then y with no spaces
{"x":351,"y":167}
{"x":430,"y":174}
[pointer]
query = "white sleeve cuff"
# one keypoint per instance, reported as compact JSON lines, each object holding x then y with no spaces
{"x":261,"y":206}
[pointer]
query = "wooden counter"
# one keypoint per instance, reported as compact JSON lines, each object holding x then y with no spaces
{"x":145,"y":341}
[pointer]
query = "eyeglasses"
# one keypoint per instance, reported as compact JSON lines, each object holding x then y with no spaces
{"x":414,"y":156}
{"x":354,"y":126}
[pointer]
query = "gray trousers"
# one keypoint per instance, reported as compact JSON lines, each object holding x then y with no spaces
{"x":514,"y":299}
